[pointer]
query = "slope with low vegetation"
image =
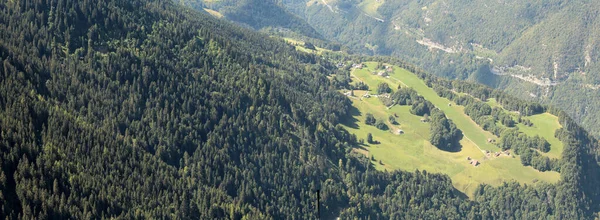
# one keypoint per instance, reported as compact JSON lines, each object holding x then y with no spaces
{"x":143,"y":109}
{"x":545,"y":51}
{"x":412,"y":150}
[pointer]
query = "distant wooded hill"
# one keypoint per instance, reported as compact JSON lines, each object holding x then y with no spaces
{"x":257,"y":14}
{"x":547,"y":51}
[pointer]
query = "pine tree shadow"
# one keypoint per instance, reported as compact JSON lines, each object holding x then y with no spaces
{"x":453,"y":147}
{"x":351,"y":120}
{"x":460,"y":194}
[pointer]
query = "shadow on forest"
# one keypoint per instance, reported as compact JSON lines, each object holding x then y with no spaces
{"x":455,"y":146}
{"x":460,"y":194}
{"x":351,"y":120}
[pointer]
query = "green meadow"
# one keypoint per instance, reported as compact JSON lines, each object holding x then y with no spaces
{"x":300,"y":46}
{"x":545,"y":125}
{"x":370,"y":7}
{"x":412,"y":150}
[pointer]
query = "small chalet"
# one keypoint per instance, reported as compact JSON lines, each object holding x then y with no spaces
{"x":474,"y":162}
{"x":357,"y":66}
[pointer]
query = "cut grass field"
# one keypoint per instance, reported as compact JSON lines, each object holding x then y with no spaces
{"x":545,"y":125}
{"x":411,"y":150}
{"x":214,"y":13}
{"x":300,"y":46}
{"x":370,"y":7}
{"x":455,"y":112}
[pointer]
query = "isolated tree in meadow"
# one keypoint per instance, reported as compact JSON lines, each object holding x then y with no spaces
{"x":369,"y":138}
{"x":392,"y":120}
{"x":381,"y":125}
{"x":370,"y":119}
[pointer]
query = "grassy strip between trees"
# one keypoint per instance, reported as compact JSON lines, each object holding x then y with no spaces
{"x":411,"y":150}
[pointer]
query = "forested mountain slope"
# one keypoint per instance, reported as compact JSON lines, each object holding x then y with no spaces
{"x":145,"y":109}
{"x":545,"y":51}
{"x":257,"y":14}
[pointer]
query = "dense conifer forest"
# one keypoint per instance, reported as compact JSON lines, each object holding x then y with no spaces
{"x":145,"y":109}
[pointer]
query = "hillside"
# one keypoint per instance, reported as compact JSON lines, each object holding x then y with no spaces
{"x":144,"y":109}
{"x":257,"y":14}
{"x":411,"y":149}
{"x":546,"y":51}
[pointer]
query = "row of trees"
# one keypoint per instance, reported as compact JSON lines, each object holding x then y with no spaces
{"x":379,"y":124}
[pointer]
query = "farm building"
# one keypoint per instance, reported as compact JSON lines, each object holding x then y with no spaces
{"x":382,"y":73}
{"x":474,"y":162}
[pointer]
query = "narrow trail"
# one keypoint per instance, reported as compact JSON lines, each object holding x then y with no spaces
{"x":373,"y":17}
{"x":400,"y":81}
{"x":480,"y":150}
{"x":328,"y":6}
{"x":352,"y":74}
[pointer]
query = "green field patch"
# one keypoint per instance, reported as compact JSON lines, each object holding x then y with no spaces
{"x":300,"y":46}
{"x":370,"y":7}
{"x":494,"y":103}
{"x":545,"y":125}
{"x":411,"y":150}
{"x":455,"y":112}
{"x":214,"y":13}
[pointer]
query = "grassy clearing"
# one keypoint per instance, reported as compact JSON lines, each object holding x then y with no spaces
{"x":214,"y":13}
{"x":300,"y":46}
{"x":494,"y":103}
{"x":545,"y":125}
{"x":455,"y":112}
{"x":411,"y":150}
{"x":370,"y":7}
{"x":481,"y":51}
